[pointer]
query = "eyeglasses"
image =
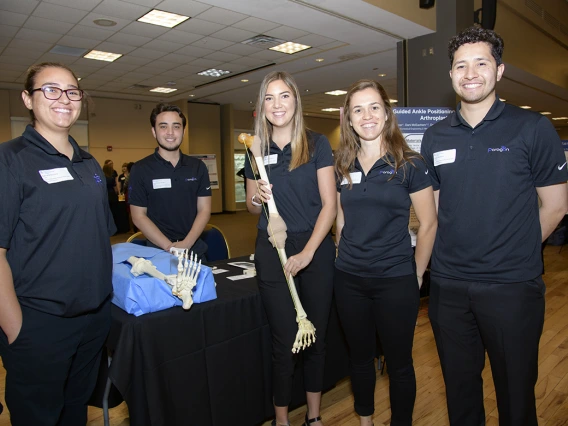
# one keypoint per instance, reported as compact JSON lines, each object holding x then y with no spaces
{"x":54,"y":93}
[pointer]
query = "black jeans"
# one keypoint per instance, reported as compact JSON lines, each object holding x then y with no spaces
{"x":52,"y":367}
{"x":389,"y":306}
{"x":315,"y":289}
{"x":506,"y":319}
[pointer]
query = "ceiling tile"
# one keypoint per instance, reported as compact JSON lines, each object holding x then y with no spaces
{"x":14,"y":67}
{"x":89,"y":64}
{"x":313,"y":40}
{"x":96,"y":33}
{"x":269,"y":55}
{"x":34,"y":35}
{"x":59,"y":13}
{"x":206,"y":63}
{"x":24,"y":53}
{"x":146,"y":3}
{"x":176,"y":75}
{"x":183,"y":7}
{"x":233,"y":34}
{"x":164,"y":46}
{"x":37,"y":46}
{"x":107,"y":46}
{"x":241,"y":49}
{"x":286,"y":33}
{"x":120,"y":23}
{"x":146,"y":30}
{"x":212,"y":43}
{"x":17,"y":60}
{"x":121,"y":9}
{"x":256,"y":25}
{"x":8,"y":31}
{"x":194,"y":51}
{"x":133,"y":60}
{"x":129,"y":39}
{"x":198,"y":26}
{"x":48,"y":25}
{"x":87,"y":5}
{"x":234,"y":68}
{"x":19,"y":6}
{"x":120,"y":65}
{"x":147,"y":53}
{"x":85,"y":43}
{"x":108,"y":74}
{"x":54,"y":57}
{"x":221,"y":16}
{"x":222,"y":56}
{"x":9,"y":76}
{"x":251,"y":62}
{"x":178,"y":36}
{"x":11,"y":18}
{"x":4,"y":41}
{"x":189,"y":69}
{"x":159,"y":66}
{"x":178,"y":59}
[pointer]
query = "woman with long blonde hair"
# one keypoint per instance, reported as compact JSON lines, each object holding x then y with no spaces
{"x":377,"y":275}
{"x":299,"y":164}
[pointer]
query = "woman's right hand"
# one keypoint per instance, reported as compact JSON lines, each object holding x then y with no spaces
{"x":263,"y":193}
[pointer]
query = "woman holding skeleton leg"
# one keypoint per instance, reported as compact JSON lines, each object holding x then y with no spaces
{"x":378,"y":277}
{"x":299,"y":165}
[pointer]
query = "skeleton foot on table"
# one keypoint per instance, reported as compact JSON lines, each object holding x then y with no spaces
{"x":186,"y":279}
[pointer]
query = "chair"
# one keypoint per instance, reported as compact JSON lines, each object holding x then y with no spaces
{"x":137,"y":238}
{"x":218,"y":247}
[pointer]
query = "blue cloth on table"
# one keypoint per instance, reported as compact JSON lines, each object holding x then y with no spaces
{"x":143,"y":294}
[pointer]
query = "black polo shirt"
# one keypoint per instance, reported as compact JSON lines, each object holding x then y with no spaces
{"x":488,"y":218}
{"x":375,"y":241}
{"x":56,"y":223}
{"x":296,"y":192}
{"x":169,"y":193}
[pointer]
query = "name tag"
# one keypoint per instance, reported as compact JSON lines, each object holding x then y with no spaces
{"x":55,"y":175}
{"x":444,"y":157}
{"x":355,"y":178}
{"x":270,"y":159}
{"x":161,"y":183}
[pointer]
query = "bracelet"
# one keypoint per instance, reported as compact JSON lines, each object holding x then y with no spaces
{"x":254,"y":203}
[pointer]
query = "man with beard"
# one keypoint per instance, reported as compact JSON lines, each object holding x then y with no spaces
{"x":170,"y":192}
{"x":490,"y":162}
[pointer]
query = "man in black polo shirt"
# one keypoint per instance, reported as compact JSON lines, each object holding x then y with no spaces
{"x":169,"y":192}
{"x":490,"y":163}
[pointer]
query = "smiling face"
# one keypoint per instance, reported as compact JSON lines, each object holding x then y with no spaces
{"x":279,"y":105}
{"x":168,"y":131}
{"x":367,"y":114}
{"x":53,"y":116}
{"x":474,"y":74}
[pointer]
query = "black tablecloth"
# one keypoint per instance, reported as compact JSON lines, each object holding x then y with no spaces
{"x":207,"y":366}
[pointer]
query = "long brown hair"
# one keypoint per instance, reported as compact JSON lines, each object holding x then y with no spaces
{"x":263,"y":127}
{"x":393,"y":141}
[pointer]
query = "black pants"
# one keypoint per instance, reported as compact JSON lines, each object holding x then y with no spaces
{"x":504,"y":319}
{"x":389,"y":306}
{"x":52,"y":366}
{"x":315,"y":289}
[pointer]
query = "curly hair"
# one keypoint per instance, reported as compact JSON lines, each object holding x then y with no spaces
{"x":477,"y":34}
{"x":393,"y":140}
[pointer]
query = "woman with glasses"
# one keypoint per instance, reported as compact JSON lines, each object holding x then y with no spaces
{"x":55,"y":258}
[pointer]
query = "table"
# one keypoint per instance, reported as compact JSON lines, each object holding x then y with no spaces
{"x":207,"y":366}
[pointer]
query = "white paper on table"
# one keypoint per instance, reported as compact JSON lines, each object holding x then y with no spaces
{"x":242,"y":265}
{"x":219,"y":271}
{"x":239,"y":277}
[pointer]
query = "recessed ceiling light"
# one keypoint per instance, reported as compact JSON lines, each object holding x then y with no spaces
{"x":320,"y":60}
{"x":250,"y":102}
{"x":330,"y":109}
{"x":307,"y":90}
{"x":290,"y":48}
{"x":336,"y":92}
{"x":560,"y":118}
{"x":503,"y":100}
{"x":104,"y":22}
{"x":79,"y":78}
{"x":213,"y":72}
{"x":191,"y":96}
{"x":546,"y":113}
{"x":163,"y":19}
{"x":525,"y":107}
{"x":102,"y":56}
{"x":244,"y":80}
{"x":393,"y":101}
{"x":382,"y":75}
{"x":163,"y":89}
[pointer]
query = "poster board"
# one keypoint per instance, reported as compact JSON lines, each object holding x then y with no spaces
{"x":210,"y":161}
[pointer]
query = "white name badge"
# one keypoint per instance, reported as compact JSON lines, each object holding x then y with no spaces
{"x":161,"y":183}
{"x":355,"y":178}
{"x":444,"y":157}
{"x":270,"y":159}
{"x":55,"y":175}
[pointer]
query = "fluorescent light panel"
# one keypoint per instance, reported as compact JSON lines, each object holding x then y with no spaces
{"x":163,"y":89}
{"x":213,"y":72}
{"x":525,"y":107}
{"x":560,"y":118}
{"x":393,"y":101}
{"x":102,"y":56}
{"x":546,"y":113}
{"x":163,"y":19}
{"x":290,"y":48}
{"x":330,"y":109}
{"x":336,"y":92}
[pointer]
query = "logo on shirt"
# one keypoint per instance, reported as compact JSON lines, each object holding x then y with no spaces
{"x":97,"y":178}
{"x":426,"y":172}
{"x":502,"y":149}
{"x":208,"y":188}
{"x":562,"y":166}
{"x":387,"y":172}
{"x":191,"y":179}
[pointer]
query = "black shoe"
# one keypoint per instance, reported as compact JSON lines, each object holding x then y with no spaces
{"x":310,"y":421}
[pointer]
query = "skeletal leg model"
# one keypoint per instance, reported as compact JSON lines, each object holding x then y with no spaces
{"x":144,"y":266}
{"x":186,"y":279}
{"x":277,"y":230}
